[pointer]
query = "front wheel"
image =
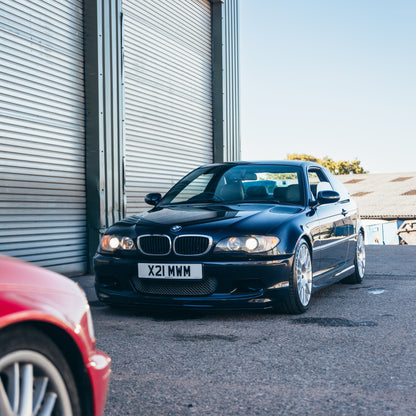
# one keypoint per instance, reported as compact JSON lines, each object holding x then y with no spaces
{"x":35,"y":378}
{"x":300,"y":282}
{"x":359,"y":262}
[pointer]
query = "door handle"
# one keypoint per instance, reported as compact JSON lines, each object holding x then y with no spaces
{"x":344,"y":212}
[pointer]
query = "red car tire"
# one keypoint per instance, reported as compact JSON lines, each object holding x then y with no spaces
{"x":32,"y":364}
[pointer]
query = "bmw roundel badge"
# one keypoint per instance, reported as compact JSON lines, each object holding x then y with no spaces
{"x":176,"y":228}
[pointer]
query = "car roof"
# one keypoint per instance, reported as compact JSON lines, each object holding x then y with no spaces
{"x":300,"y":163}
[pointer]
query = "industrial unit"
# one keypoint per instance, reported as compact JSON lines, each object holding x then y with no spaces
{"x":387,"y":205}
{"x":104,"y":101}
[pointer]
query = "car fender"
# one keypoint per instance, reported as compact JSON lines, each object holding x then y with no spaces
{"x":34,"y":317}
{"x":290,"y":235}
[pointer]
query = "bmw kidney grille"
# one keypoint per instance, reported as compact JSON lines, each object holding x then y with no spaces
{"x":191,"y":245}
{"x":184,"y":245}
{"x":154,"y":245}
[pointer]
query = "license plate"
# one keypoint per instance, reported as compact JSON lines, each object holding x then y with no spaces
{"x":170,"y":271}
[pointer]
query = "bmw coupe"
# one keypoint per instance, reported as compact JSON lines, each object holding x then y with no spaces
{"x":235,"y":235}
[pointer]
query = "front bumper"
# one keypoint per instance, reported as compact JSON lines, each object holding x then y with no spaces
{"x":98,"y":368}
{"x":256,"y":284}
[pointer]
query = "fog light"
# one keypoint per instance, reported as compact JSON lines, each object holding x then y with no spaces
{"x":260,"y":300}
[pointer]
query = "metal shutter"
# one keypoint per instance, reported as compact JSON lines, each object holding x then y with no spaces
{"x":168,"y":93}
{"x":42,"y":143}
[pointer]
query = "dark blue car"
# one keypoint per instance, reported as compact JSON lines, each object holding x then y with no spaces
{"x":235,"y":235}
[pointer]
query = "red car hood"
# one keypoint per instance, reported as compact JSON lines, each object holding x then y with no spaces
{"x":28,"y":289}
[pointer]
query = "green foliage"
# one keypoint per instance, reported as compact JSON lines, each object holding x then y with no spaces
{"x":282,"y":176}
{"x":341,"y":167}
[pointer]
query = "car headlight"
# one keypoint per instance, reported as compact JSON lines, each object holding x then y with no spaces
{"x":249,"y":244}
{"x":116,"y":242}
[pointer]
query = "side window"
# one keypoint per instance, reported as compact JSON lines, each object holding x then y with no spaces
{"x":318,"y":181}
{"x":340,"y":188}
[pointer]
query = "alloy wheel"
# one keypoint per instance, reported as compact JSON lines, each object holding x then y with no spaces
{"x":304,"y":275}
{"x":360,"y":255}
{"x":30,"y":385}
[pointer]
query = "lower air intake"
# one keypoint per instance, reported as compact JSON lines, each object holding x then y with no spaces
{"x":175,"y":288}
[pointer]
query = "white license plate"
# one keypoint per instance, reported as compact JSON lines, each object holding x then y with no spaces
{"x":170,"y":271}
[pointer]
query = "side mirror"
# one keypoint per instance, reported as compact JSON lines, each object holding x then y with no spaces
{"x":327,"y":197}
{"x":153,"y":198}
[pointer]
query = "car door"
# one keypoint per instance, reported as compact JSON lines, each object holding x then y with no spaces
{"x":331,"y":243}
{"x":350,"y":212}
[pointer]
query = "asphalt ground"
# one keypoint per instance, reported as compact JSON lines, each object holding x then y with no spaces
{"x":352,"y":353}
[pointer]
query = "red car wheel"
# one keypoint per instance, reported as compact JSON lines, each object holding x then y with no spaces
{"x":34,"y":376}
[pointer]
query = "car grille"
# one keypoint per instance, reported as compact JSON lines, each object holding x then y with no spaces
{"x":184,"y":245}
{"x":175,"y":288}
{"x":154,"y":244}
{"x":192,"y":245}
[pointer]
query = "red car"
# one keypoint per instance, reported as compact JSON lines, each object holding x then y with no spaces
{"x":48,"y":361}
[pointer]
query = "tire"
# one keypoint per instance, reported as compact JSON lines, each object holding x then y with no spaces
{"x":34,"y":376}
{"x":300,"y":281}
{"x":359,"y":262}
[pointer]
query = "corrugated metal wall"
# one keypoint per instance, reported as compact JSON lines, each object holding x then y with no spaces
{"x":42,"y":143}
{"x":175,"y":112}
{"x":168,"y":93}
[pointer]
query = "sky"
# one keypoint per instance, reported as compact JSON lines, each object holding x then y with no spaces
{"x":332,"y":78}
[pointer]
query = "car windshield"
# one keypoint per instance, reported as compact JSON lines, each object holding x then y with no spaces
{"x":276,"y":184}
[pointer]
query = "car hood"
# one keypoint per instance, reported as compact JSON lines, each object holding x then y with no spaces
{"x":17,"y":275}
{"x":28,"y":289}
{"x":242,"y":218}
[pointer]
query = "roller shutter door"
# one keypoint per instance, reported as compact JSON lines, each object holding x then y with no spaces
{"x":168,"y":93}
{"x":42,"y":143}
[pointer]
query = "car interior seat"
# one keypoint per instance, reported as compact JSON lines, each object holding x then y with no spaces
{"x":232,"y":192}
{"x":288,"y":194}
{"x":256,"y":192}
{"x":293,"y":194}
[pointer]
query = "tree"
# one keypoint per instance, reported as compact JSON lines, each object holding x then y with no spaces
{"x":341,"y":167}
